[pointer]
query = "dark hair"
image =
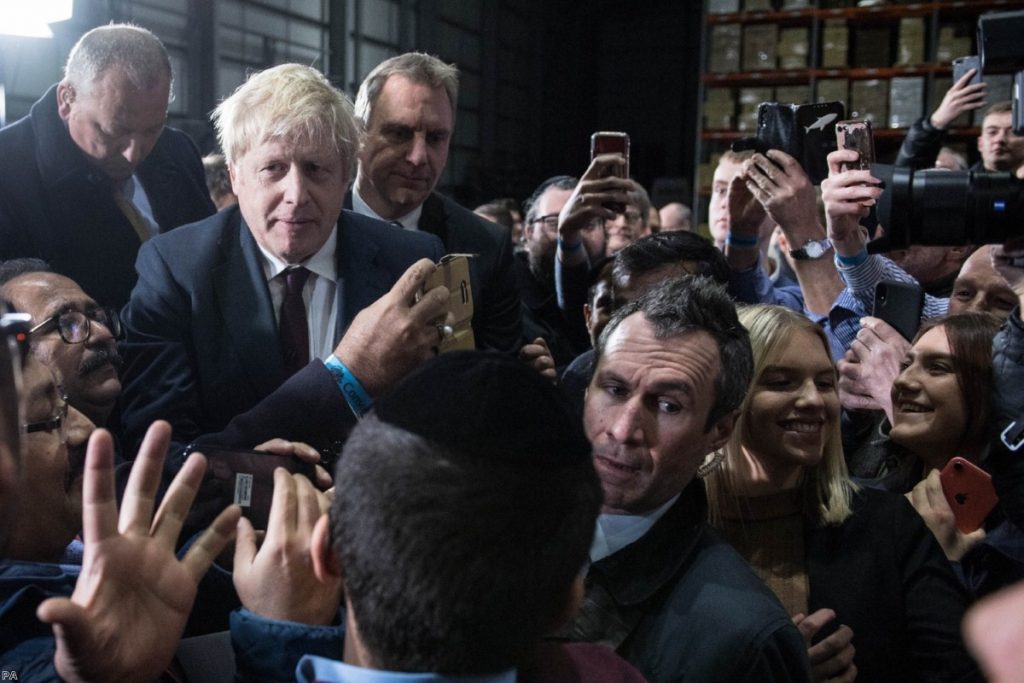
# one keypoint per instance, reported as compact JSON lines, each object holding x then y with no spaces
{"x":970,"y":338}
{"x":561,"y":182}
{"x":454,"y":563}
{"x":671,"y":248}
{"x":16,"y":267}
{"x":497,"y":213}
{"x":696,"y":303}
{"x":510,"y":204}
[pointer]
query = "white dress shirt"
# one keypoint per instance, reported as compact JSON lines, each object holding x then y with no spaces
{"x":615,"y":532}
{"x":319,"y":293}
{"x":410,"y":221}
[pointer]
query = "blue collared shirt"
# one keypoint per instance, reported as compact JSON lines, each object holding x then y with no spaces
{"x":322,"y":670}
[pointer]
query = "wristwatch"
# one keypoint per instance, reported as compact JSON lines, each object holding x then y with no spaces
{"x":812,"y":250}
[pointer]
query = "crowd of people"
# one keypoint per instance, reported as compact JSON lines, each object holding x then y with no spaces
{"x":668,"y":457}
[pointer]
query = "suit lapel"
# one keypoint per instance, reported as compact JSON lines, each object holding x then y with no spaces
{"x":434,"y":219}
{"x":244,"y":302}
{"x":361,"y":279}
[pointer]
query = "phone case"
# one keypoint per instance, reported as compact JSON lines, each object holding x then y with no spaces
{"x":899,"y":304}
{"x":453,"y":272}
{"x":857,"y":135}
{"x":969,"y":492}
{"x":611,"y":142}
{"x":962,"y":65}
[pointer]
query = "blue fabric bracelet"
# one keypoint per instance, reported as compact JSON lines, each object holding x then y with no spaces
{"x":740,"y":241}
{"x":355,"y":395}
{"x":851,"y":261}
{"x":570,"y":247}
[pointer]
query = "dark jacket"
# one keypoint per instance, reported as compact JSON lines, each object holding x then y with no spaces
{"x":201,"y":339}
{"x":885,"y":576}
{"x":543,"y":317}
{"x":55,"y":205}
{"x":497,"y":322}
{"x":921,"y":147}
{"x":681,"y":605}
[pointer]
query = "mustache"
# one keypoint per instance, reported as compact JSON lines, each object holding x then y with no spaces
{"x":100,"y":358}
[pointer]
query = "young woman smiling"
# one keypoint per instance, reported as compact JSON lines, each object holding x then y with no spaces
{"x":860,"y":564}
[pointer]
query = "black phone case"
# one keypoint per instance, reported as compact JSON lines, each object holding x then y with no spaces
{"x":899,"y":304}
{"x":806,"y":132}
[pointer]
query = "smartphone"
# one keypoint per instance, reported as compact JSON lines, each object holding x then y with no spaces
{"x":856,"y":135}
{"x":609,"y":142}
{"x":969,"y":492}
{"x":962,"y":65}
{"x":244,"y":478}
{"x":899,"y":304}
{"x":452,"y":271}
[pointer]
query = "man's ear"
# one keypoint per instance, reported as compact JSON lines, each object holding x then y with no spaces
{"x":326,"y":566}
{"x":65,"y":96}
{"x":959,"y":253}
{"x":722,"y":430}
{"x":586,"y":317}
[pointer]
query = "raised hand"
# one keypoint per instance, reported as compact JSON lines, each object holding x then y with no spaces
{"x":133,"y":597}
{"x":870,"y":366}
{"x":832,"y":657}
{"x":959,"y":98}
{"x":848,"y":197}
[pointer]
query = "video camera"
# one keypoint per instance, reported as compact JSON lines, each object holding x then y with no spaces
{"x":948,"y":208}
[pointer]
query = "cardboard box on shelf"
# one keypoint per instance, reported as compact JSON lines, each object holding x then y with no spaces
{"x":906,"y":101}
{"x":793,"y":94}
{"x":724,"y":55}
{"x":760,"y":42}
{"x":954,"y":41}
{"x":872,"y":47}
{"x":793,"y":47}
{"x":869,"y":100}
{"x":757,"y":5}
{"x":749,"y":99}
{"x":723,"y":6}
{"x":835,"y":43}
{"x":719,"y":109}
{"x":833,"y":90}
{"x":910,"y":50}
{"x":795,"y":4}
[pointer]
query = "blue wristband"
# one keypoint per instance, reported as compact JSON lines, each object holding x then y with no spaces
{"x":569,"y":247}
{"x":741,"y":241}
{"x":851,"y":261}
{"x":355,"y":395}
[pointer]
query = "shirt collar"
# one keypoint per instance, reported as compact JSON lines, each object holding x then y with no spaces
{"x":410,"y":221}
{"x":615,"y":532}
{"x":312,"y":668}
{"x":322,"y":263}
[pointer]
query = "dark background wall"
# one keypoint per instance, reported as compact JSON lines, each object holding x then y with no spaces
{"x":537,"y":77}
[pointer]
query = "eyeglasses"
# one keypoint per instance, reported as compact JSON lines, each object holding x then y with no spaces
{"x":550,"y":221}
{"x":57,"y":422}
{"x":75,"y":327}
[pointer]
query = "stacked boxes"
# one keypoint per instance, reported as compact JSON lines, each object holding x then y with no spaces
{"x":724,"y":55}
{"x":759,"y":47}
{"x":911,"y":45}
{"x":835,"y":44}
{"x":869,"y":100}
{"x":749,"y":99}
{"x":906,"y":101}
{"x":871,"y":47}
{"x":833,"y":90}
{"x":793,"y":94}
{"x":793,"y":43}
{"x":719,"y":107}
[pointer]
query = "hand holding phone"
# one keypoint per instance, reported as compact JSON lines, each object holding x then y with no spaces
{"x":612,"y":142}
{"x":899,"y":304}
{"x":969,"y":492}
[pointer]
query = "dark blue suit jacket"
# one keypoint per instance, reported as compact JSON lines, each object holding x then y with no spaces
{"x":55,"y":205}
{"x":202,"y":346}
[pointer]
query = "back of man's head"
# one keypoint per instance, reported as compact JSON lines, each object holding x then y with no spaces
{"x":465,"y":513}
{"x":418,"y":67}
{"x":137,"y":52}
{"x":666,"y":249}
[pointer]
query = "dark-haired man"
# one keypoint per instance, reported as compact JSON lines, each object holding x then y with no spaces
{"x":671,"y":597}
{"x":71,"y":333}
{"x":459,"y":536}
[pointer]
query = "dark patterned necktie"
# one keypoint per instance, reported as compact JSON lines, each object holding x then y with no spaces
{"x":293,"y":330}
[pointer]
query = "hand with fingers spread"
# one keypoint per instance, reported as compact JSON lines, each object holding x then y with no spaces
{"x":303,"y":452}
{"x":930,"y":502}
{"x":746,"y":215}
{"x":870,"y":367}
{"x":278,"y":580}
{"x":588,"y":201}
{"x":133,"y":597}
{"x":848,"y":197}
{"x":832,"y":657}
{"x":392,"y":336}
{"x":779,"y":183}
{"x":958,"y":99}
{"x":537,"y":355}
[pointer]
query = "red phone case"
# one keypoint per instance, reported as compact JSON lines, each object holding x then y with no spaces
{"x":969,"y":492}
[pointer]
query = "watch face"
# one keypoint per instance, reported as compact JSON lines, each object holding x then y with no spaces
{"x":814,"y":249}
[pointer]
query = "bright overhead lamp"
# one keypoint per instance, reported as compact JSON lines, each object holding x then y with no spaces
{"x":32,"y":19}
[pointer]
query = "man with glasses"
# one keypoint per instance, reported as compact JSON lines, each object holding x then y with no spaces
{"x":70,"y":333}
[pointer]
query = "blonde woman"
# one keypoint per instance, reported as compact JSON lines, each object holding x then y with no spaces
{"x":880,"y":599}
